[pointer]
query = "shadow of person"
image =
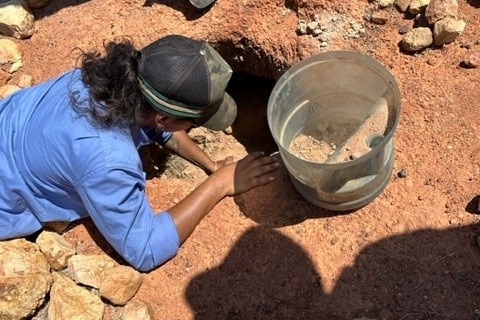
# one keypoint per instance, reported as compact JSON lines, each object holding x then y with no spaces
{"x":265,"y":276}
{"x":425,"y":274}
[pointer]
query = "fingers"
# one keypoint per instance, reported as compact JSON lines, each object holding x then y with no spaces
{"x":254,"y":170}
{"x":260,"y":164}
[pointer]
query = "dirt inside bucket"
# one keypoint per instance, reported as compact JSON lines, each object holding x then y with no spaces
{"x":331,"y":142}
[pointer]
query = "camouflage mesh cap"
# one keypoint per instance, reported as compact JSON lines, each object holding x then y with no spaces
{"x":186,"y":78}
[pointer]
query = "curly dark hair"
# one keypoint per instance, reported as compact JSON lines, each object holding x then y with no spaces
{"x":112,"y":80}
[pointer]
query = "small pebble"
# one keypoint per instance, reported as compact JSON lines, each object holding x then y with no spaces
{"x":403,"y":29}
{"x":472,"y":61}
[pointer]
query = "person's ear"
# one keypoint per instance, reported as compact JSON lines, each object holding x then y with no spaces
{"x":160,"y":120}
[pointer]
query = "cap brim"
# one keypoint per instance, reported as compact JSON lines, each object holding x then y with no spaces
{"x":223,"y":117}
{"x":200,"y":4}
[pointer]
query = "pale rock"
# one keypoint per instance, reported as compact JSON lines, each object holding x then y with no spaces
{"x":417,"y":39}
{"x":56,"y":249}
{"x":88,"y":269}
{"x":137,"y":309}
{"x":418,"y":6}
{"x":10,"y":54}
{"x":7,"y":90}
{"x":385,"y":3}
{"x":439,"y":9}
{"x":16,"y":20}
{"x":447,"y":30}
{"x":25,"y":278}
{"x":71,"y":301}
{"x":120,"y":284}
{"x":25,"y":81}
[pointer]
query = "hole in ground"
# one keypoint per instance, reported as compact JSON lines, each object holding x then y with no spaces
{"x":250,"y":128}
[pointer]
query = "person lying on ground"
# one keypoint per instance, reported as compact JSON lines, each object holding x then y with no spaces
{"x":69,"y":145}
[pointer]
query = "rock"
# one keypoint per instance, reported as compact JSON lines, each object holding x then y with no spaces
{"x":56,"y":249}
{"x":88,"y":269}
{"x":439,"y":9}
{"x":10,"y":56}
{"x":70,"y":301}
{"x":379,"y":18}
{"x":25,"y":81}
{"x":7,"y":90}
{"x":418,"y":6}
{"x":137,"y":309}
{"x":447,"y":30}
{"x":403,"y":29}
{"x":385,"y":3}
{"x":417,"y":39}
{"x":24,"y":278}
{"x":402,"y":173}
{"x":120,"y":284}
{"x":472,"y":61}
{"x":16,"y":20}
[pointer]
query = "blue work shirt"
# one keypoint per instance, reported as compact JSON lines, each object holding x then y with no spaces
{"x":57,"y":165}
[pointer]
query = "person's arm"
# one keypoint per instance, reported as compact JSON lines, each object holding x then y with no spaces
{"x":116,"y":201}
{"x":184,"y":146}
{"x":233,"y":178}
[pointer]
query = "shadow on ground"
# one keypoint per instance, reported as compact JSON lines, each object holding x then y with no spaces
{"x":268,"y":207}
{"x":54,"y":6}
{"x":183,"y":6}
{"x":426,"y":274}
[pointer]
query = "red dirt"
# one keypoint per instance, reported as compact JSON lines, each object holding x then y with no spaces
{"x":411,"y":253}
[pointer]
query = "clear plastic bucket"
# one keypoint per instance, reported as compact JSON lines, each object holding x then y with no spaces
{"x":341,"y":88}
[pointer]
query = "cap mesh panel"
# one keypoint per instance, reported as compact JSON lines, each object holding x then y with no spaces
{"x":169,"y":70}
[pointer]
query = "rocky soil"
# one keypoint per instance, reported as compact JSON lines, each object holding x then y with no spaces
{"x":411,"y":253}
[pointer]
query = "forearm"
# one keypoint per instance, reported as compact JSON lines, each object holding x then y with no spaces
{"x":188,"y":213}
{"x":252,"y":171}
{"x":184,"y":146}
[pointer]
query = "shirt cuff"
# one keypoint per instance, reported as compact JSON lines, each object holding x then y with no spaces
{"x":164,"y":239}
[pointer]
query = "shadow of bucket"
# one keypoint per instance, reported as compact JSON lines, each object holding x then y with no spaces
{"x":341,"y":88}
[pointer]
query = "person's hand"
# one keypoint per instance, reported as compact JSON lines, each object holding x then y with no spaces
{"x":254,"y":170}
{"x":232,"y":178}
